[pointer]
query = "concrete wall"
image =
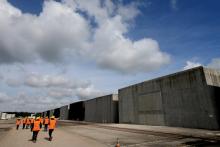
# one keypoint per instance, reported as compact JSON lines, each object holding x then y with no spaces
{"x":77,"y":111}
{"x":51,"y":112}
{"x":102,"y":109}
{"x":184,"y":99}
{"x":57,"y":112}
{"x":64,"y":112}
{"x":48,"y":113}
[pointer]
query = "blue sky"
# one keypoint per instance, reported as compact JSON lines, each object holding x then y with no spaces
{"x":52,"y":52}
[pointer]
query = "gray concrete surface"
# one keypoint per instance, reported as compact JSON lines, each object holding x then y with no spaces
{"x":69,"y":133}
{"x":185,"y":99}
{"x":64,"y":112}
{"x":102,"y":109}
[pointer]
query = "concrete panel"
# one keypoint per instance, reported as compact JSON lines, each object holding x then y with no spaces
{"x":51,"y":112}
{"x":57,"y":112}
{"x":64,"y":112}
{"x":102,"y":109}
{"x":77,"y":111}
{"x":184,"y":99}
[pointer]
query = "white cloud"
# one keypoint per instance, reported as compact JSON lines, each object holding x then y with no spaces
{"x":13,"y":82}
{"x":190,"y":64}
{"x":41,"y":81}
{"x":61,"y":32}
{"x":4,"y":97}
{"x":173,"y":4}
{"x":215,"y":63}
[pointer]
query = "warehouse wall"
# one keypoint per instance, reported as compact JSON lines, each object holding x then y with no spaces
{"x":102,"y":109}
{"x":182,"y":99}
{"x":64,"y":112}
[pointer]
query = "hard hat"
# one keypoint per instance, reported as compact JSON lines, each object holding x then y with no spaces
{"x":52,"y":117}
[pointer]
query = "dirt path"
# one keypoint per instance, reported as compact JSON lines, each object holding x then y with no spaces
{"x":21,"y":138}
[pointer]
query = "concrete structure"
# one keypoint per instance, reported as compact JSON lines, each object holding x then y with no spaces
{"x":77,"y":111}
{"x":4,"y":115}
{"x":48,"y":113}
{"x":51,"y":112}
{"x":102,"y":109}
{"x":189,"y":98}
{"x":57,"y":112}
{"x":64,"y":112}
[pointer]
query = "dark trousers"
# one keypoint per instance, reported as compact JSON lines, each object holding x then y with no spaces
{"x":40,"y":125}
{"x":17,"y":127}
{"x":34,"y":137}
{"x":45,"y":127}
{"x":23,"y":126}
{"x":32,"y":125}
{"x":50,"y":133}
{"x":27,"y":126}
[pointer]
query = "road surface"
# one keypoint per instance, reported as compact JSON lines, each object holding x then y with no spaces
{"x":90,"y":135}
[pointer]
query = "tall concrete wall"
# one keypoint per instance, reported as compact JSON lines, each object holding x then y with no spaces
{"x":57,"y":112}
{"x":102,"y":109}
{"x":51,"y":112}
{"x":64,"y":112}
{"x":184,"y":99}
{"x":77,"y":111}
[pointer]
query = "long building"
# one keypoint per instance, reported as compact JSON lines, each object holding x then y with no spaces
{"x":102,"y":109}
{"x":189,"y":98}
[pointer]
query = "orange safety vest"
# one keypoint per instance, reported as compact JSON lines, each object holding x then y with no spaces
{"x":24,"y":121}
{"x":36,"y":125}
{"x":32,"y":121}
{"x":46,"y":121}
{"x":18,"y":122}
{"x":52,"y":123}
{"x":41,"y":120}
{"x":28,"y":121}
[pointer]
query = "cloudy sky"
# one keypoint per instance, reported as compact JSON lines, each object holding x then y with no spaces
{"x":56,"y":52}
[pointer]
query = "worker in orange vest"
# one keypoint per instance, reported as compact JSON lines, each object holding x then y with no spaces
{"x":41,"y":122}
{"x":32,"y":123}
{"x":46,"y":122}
{"x":18,"y":122}
{"x":36,"y":129}
{"x":24,"y":122}
{"x":52,"y":125}
{"x":28,"y":122}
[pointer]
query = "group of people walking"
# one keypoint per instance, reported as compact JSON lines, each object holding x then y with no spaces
{"x":35,"y":125}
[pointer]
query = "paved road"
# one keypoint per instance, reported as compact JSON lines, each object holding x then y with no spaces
{"x":21,"y":138}
{"x":91,"y":135}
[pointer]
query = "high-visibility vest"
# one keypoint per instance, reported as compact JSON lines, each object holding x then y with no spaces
{"x":41,"y":120}
{"x":28,"y":121}
{"x":32,"y":121}
{"x":18,"y":122}
{"x":24,"y":121}
{"x":46,"y":121}
{"x":52,"y":123}
{"x":36,"y":126}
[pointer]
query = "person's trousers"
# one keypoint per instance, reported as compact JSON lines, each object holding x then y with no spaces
{"x":23,"y":126}
{"x":50,"y":132}
{"x":32,"y":125}
{"x":45,"y":127}
{"x":40,"y":125}
{"x":17,"y":127}
{"x":34,"y":137}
